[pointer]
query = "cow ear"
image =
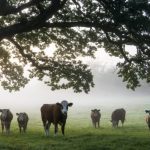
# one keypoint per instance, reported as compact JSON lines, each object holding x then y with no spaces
{"x":17,"y":114}
{"x":92,"y":110}
{"x":70,"y":104}
{"x":1,"y":110}
{"x":98,"y":110}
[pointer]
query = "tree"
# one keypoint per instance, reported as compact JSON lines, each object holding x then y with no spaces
{"x":77,"y":28}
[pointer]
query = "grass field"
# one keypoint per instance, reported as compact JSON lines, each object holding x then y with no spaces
{"x":80,"y":135}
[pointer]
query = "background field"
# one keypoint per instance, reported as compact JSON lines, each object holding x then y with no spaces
{"x":80,"y":135}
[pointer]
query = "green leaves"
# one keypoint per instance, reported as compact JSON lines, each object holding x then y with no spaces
{"x":77,"y":28}
{"x":64,"y":75}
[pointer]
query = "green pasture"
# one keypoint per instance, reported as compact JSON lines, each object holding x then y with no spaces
{"x":80,"y":135}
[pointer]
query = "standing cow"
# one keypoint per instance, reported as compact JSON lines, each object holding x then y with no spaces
{"x":148,"y":118}
{"x":56,"y":114}
{"x":6,"y":118}
{"x":118,"y":114}
{"x":95,"y":116}
{"x":22,"y":121}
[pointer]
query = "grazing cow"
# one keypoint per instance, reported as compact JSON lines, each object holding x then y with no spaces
{"x":22,"y":121}
{"x":148,"y":118}
{"x":6,"y":118}
{"x":118,"y":114}
{"x":56,"y":114}
{"x":95,"y":116}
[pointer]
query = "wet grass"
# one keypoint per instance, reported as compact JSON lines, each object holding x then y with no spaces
{"x":80,"y":135}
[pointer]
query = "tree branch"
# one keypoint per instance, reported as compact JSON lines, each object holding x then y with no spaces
{"x":36,"y":23}
{"x":6,"y":9}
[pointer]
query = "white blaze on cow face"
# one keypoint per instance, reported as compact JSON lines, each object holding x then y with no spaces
{"x":65,"y":105}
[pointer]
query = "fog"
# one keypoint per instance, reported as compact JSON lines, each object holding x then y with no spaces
{"x":109,"y":91}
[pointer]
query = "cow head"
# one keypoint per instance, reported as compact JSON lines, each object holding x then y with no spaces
{"x":21,"y":116}
{"x":95,"y":112}
{"x":147,"y":111}
{"x":114,"y":123}
{"x":4,"y":113}
{"x":64,"y":106}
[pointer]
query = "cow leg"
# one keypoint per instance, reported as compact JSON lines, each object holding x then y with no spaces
{"x":55,"y":128}
{"x":47,"y":128}
{"x":117,"y":124}
{"x":93,"y":123}
{"x":19,"y":128}
{"x":63,"y":129}
{"x":8,"y":127}
{"x":122,"y":122}
{"x":2,"y":127}
{"x":44,"y":125}
{"x":98,"y":124}
{"x":24,"y":128}
{"x":149,"y":126}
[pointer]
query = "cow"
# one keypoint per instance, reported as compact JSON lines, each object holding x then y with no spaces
{"x":56,"y":114}
{"x":148,"y":118}
{"x":118,"y":114}
{"x":6,"y":118}
{"x":22,"y":121}
{"x":95,"y":116}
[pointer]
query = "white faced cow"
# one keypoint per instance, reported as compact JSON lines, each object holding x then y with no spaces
{"x":56,"y":114}
{"x":6,"y":118}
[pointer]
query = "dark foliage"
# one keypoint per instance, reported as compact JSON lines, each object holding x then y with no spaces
{"x":77,"y":28}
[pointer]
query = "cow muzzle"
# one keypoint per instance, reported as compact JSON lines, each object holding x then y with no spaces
{"x":64,"y":113}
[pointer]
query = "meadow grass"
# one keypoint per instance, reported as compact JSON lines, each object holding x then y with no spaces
{"x":80,"y":134}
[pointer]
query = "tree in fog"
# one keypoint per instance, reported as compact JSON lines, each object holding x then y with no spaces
{"x":77,"y":28}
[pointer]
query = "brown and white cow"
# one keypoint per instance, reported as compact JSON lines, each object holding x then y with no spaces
{"x":148,"y":118}
{"x":6,"y":118}
{"x":56,"y":114}
{"x":22,"y":121}
{"x":95,"y":116}
{"x":118,"y":114}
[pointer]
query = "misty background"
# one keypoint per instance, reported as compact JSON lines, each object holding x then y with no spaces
{"x":109,"y":91}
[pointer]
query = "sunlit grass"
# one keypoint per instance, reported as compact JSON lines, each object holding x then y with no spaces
{"x":80,"y":135}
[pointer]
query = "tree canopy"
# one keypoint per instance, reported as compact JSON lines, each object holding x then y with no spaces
{"x":78,"y":28}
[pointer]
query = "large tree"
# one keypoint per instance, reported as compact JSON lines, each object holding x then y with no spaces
{"x":77,"y":28}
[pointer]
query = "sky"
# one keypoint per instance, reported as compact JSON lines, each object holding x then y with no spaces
{"x":109,"y":90}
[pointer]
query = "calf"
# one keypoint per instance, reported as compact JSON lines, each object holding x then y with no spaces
{"x":56,"y":114}
{"x":95,"y":116}
{"x":6,"y":118}
{"x":22,"y":121}
{"x":118,"y":114}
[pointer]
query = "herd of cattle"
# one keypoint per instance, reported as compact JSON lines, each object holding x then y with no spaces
{"x":57,"y":114}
